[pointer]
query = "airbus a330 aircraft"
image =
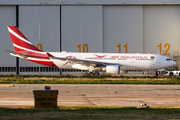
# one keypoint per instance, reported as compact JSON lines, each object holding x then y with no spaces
{"x":111,"y":63}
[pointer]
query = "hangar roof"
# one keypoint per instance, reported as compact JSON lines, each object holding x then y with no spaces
{"x":90,"y":2}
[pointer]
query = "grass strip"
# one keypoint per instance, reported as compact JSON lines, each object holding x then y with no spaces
{"x":90,"y":81}
{"x":90,"y":112}
{"x":23,"y":79}
{"x":82,"y":76}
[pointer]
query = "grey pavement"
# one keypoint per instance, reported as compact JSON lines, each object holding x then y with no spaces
{"x":94,"y":94}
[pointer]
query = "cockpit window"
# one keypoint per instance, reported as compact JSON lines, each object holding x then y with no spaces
{"x":168,"y":59}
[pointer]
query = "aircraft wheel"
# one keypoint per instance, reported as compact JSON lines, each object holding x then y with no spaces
{"x":171,"y":74}
{"x":156,"y":73}
{"x":86,"y":74}
{"x":97,"y":73}
{"x":91,"y":73}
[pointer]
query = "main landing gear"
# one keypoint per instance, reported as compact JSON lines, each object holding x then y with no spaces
{"x":96,"y":73}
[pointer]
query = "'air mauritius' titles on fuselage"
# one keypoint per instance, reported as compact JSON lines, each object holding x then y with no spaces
{"x":120,"y":57}
{"x":133,"y":57}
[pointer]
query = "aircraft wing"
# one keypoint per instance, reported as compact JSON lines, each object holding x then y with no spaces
{"x":24,"y":55}
{"x":82,"y":61}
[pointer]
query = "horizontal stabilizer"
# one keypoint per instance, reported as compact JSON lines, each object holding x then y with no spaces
{"x":23,"y":55}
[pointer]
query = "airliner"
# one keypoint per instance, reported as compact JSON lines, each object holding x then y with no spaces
{"x":110,"y":63}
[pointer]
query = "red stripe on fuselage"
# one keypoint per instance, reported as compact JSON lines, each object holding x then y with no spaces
{"x":46,"y":63}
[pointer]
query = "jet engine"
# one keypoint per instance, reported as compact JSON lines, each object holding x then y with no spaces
{"x":111,"y":69}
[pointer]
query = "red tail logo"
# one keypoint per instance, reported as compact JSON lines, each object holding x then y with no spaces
{"x":24,"y":48}
{"x":20,"y":42}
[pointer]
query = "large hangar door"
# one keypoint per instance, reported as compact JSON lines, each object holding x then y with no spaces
{"x":7,"y":17}
{"x":41,"y":25}
{"x":161,"y":29}
{"x":123,"y":29}
{"x":81,"y":28}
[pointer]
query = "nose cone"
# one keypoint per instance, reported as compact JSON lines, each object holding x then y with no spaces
{"x":173,"y":63}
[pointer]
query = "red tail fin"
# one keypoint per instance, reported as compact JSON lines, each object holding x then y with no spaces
{"x":20,"y":42}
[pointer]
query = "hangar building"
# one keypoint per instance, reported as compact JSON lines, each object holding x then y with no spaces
{"x":113,"y":26}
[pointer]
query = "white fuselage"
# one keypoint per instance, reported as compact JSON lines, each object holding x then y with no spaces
{"x":127,"y":61}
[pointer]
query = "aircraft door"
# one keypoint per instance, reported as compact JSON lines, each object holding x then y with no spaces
{"x":132,"y":60}
{"x":158,"y":59}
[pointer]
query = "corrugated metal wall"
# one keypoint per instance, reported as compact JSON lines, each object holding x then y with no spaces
{"x":7,"y":17}
{"x":123,"y":26}
{"x":82,"y":25}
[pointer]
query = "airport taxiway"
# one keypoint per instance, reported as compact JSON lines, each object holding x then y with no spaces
{"x":21,"y":95}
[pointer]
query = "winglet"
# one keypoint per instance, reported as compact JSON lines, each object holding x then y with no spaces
{"x":49,"y":55}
